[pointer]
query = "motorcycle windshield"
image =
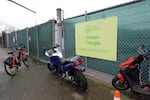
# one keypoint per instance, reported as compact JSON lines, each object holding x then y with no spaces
{"x":58,"y":54}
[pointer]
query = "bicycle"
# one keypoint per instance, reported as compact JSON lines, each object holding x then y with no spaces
{"x":13,"y":62}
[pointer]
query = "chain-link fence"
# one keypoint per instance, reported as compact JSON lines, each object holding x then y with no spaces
{"x":133,"y":30}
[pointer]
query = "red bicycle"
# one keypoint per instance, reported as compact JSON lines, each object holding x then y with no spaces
{"x":13,"y":62}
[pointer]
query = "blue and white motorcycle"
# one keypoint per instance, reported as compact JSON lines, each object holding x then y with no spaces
{"x":68,"y":70}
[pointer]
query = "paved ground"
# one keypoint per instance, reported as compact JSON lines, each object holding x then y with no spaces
{"x":37,"y":83}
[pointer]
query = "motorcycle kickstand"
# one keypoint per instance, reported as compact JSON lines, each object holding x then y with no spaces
{"x":62,"y":78}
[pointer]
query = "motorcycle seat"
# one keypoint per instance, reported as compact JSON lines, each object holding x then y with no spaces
{"x":64,"y":61}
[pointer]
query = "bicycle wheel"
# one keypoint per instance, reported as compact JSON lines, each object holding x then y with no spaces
{"x":25,"y":61}
{"x":10,"y":70}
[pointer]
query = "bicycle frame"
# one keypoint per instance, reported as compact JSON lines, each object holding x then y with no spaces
{"x":17,"y":60}
{"x":22,"y":54}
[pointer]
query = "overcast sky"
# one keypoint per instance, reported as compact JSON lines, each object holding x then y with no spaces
{"x":18,"y":17}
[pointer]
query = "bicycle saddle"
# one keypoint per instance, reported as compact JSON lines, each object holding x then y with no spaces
{"x":11,"y":52}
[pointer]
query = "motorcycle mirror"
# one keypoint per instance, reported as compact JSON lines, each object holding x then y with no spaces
{"x":23,"y":46}
{"x":44,"y":49}
{"x":57,"y":45}
{"x":144,"y":51}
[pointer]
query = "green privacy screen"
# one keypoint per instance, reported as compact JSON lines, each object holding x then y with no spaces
{"x":23,"y":38}
{"x":133,"y":29}
{"x":12,"y":39}
{"x":45,"y":40}
{"x":33,"y":41}
{"x":40,"y":38}
{"x":97,"y":38}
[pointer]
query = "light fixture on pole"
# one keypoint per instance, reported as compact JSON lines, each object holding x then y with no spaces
{"x":21,"y":6}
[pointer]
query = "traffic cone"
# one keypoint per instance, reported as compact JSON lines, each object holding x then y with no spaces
{"x":117,"y":95}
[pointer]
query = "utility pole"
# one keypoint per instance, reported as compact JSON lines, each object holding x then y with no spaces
{"x":59,"y":30}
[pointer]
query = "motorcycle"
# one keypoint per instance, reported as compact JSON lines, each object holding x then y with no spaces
{"x":67,"y":69}
{"x":129,"y":75}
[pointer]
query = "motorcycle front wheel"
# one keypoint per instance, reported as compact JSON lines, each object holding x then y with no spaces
{"x":118,"y":85}
{"x":10,"y":70}
{"x":80,"y":81}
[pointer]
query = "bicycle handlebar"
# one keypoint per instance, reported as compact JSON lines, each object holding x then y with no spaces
{"x":21,"y":46}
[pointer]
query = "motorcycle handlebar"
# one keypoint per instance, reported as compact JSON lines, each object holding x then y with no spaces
{"x":51,"y":50}
{"x":144,"y":51}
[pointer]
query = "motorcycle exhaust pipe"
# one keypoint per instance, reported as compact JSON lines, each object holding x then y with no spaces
{"x":71,"y":78}
{"x":82,"y":69}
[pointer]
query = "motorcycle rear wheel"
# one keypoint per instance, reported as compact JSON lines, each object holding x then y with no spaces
{"x":120,"y":86}
{"x":80,"y":81}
